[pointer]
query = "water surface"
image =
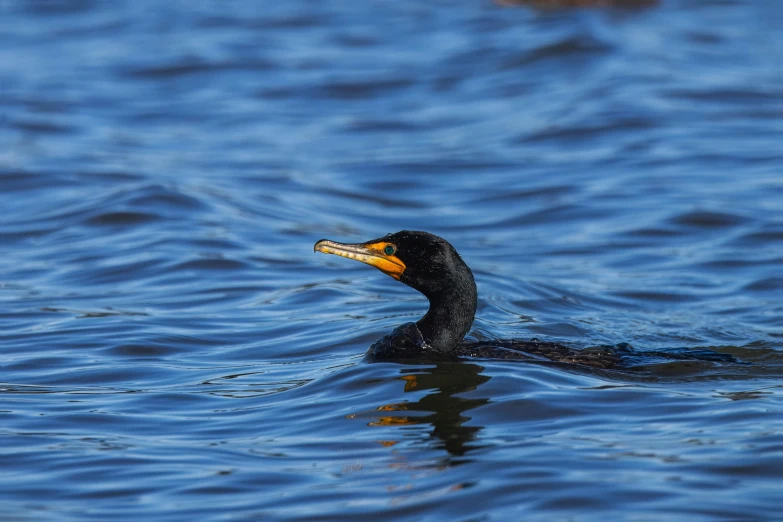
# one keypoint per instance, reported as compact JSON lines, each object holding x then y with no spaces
{"x":171,"y":347}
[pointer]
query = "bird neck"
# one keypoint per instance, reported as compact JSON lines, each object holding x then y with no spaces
{"x":450,"y":316}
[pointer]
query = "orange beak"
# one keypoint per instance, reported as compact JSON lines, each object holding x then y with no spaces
{"x":369,"y":253}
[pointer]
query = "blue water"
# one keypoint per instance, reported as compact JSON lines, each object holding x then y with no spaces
{"x":172,"y":348}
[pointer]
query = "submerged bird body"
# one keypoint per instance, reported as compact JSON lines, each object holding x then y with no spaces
{"x":432,"y":266}
{"x":407,"y":341}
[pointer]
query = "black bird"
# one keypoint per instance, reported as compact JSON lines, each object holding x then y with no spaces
{"x":432,"y":266}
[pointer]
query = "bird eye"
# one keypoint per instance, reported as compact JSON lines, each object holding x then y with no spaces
{"x":389,"y":250}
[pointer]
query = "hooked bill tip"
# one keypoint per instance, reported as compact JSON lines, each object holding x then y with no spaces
{"x":319,"y":245}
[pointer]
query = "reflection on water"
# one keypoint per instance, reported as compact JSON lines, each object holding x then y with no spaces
{"x":442,"y":408}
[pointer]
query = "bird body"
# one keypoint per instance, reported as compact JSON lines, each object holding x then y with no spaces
{"x":431,"y":265}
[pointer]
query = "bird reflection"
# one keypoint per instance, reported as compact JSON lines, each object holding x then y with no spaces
{"x":442,"y":409}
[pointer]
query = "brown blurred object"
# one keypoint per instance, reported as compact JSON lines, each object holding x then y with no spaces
{"x":568,"y":4}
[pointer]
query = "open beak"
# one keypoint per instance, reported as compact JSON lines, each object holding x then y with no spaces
{"x":371,"y":253}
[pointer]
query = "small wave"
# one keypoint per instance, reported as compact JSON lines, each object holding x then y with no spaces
{"x":708,"y":219}
{"x":195,"y":67}
{"x":366,"y":88}
{"x":214,"y":263}
{"x":770,"y":284}
{"x":566,"y":48}
{"x":122,"y":218}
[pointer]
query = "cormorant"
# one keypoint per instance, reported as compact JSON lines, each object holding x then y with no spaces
{"x":432,"y":266}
